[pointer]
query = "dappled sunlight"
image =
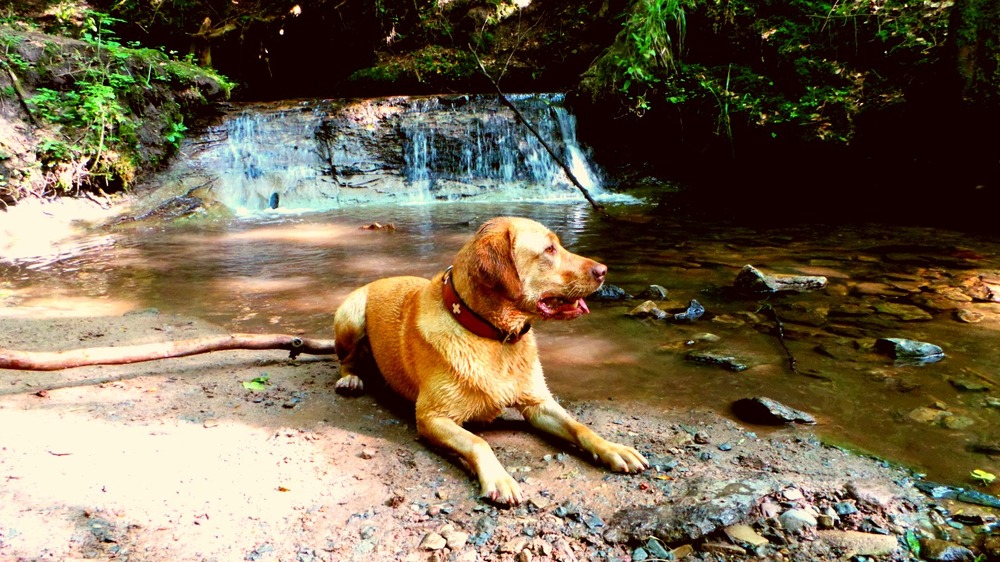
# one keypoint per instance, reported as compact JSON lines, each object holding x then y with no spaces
{"x":220,"y":484}
{"x":64,"y":234}
{"x":589,"y":350}
{"x":46,"y":304}
{"x":262,"y":285}
{"x":313,"y":234}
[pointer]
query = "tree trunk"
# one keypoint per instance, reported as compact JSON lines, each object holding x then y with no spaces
{"x":975,"y":36}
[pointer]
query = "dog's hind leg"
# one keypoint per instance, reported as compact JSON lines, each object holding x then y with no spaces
{"x":351,"y":341}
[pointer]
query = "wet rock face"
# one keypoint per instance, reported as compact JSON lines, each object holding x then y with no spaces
{"x":327,"y":154}
{"x":910,"y":351}
{"x":708,"y":505}
{"x":764,"y":411}
{"x":753,"y":282}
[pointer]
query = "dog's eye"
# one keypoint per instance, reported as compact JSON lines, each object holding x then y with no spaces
{"x":550,"y":249}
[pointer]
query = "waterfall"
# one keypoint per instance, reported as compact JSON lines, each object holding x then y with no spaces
{"x":324,"y":154}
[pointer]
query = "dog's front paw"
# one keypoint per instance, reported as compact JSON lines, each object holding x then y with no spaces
{"x":621,"y":458}
{"x":350,"y":385}
{"x":502,"y":489}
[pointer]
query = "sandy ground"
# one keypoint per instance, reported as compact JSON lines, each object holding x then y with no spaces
{"x":177,"y":460}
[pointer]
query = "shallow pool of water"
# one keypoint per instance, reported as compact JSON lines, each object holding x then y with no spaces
{"x":288,"y":273}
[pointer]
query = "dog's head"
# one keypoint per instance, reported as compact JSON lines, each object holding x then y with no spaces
{"x":523,"y":262}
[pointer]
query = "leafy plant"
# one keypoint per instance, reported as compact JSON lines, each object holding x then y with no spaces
{"x":801,"y":68}
{"x":258,"y":383}
{"x":95,"y":116}
{"x":175,"y":133}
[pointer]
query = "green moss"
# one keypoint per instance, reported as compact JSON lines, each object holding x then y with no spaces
{"x":431,"y":65}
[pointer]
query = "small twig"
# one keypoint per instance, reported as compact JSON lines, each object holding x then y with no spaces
{"x":780,"y":329}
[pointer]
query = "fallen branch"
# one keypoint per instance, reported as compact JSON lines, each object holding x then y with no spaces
{"x":54,"y":361}
{"x":555,"y":157}
{"x":21,"y":96}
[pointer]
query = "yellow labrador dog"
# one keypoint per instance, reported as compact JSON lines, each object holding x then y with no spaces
{"x":461,"y":346}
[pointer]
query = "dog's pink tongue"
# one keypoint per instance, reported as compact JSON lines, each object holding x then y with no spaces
{"x":568,"y":311}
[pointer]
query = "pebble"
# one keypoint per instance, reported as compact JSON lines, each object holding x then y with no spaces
{"x":937,"y":550}
{"x":653,"y":292}
{"x":655,"y":548}
{"x":765,"y":411}
{"x":903,"y":348}
{"x":681,"y":552}
{"x":862,"y":544}
{"x":797,"y":520}
{"x":723,"y":549}
{"x":647,"y":309}
{"x":872,"y":494}
{"x":792,"y":494}
{"x":927,"y":415}
{"x":769,"y":509}
{"x":368,"y":453}
{"x":969,"y":316}
{"x":706,"y":337}
{"x":744,"y":534}
{"x":539,"y":503}
{"x":433,"y":541}
{"x":956,"y":422}
{"x":729,"y":362}
{"x":455,"y":539}
{"x":609,"y":292}
{"x":845,"y":508}
{"x":968,"y":385}
{"x":514,"y":545}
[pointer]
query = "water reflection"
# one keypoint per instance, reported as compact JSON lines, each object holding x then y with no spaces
{"x":288,"y":273}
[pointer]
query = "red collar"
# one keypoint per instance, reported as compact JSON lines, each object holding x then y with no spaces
{"x":472,"y":321}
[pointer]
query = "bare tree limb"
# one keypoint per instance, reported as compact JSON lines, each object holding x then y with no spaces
{"x":569,"y":173}
{"x":21,"y":96}
{"x":54,"y":361}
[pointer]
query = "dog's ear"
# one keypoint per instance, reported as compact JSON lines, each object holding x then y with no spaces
{"x":491,"y":253}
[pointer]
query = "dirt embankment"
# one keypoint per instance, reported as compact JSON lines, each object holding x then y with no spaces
{"x":91,"y":117}
{"x":179,"y":460}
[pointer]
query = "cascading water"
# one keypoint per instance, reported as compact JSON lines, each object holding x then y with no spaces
{"x":319,"y":155}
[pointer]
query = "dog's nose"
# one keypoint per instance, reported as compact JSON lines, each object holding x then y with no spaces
{"x":599,"y":271}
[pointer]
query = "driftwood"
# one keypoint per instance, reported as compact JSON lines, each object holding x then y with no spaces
{"x":54,"y":361}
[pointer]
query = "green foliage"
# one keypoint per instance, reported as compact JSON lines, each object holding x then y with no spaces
{"x":432,"y":64}
{"x":93,"y":106}
{"x":93,"y":118}
{"x":174,"y":133}
{"x":806,"y":68}
{"x":9,"y":57}
{"x":257,"y":384}
{"x":651,"y":42}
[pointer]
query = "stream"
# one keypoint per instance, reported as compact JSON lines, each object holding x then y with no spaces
{"x":287,"y":273}
{"x":287,"y":270}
